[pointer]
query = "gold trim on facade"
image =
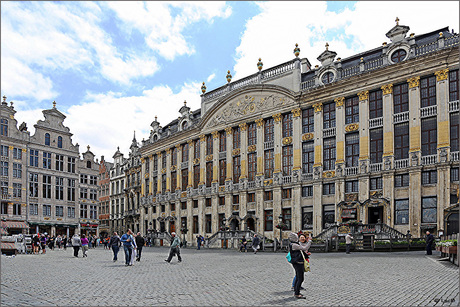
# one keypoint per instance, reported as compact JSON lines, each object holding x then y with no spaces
{"x":352,"y":127}
{"x":259,"y":122}
{"x":413,"y":82}
{"x":329,"y":174}
{"x":252,"y":148}
{"x":308,"y":137}
{"x":296,"y":112}
{"x":229,"y":130}
{"x":442,"y":74}
{"x":235,"y":152}
{"x":277,"y":117}
{"x":339,"y":102}
{"x":387,"y":89}
{"x":243,"y":126}
{"x":215,"y":134}
{"x":287,"y":140}
{"x":208,"y":158}
{"x":364,"y":95}
{"x":318,"y":107}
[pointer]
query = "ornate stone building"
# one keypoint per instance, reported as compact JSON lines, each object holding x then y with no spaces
{"x":104,"y":197}
{"x":370,"y":138}
{"x":117,"y":193}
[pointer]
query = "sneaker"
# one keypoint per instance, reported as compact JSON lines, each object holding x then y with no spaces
{"x":180,"y":260}
{"x":167,"y":261}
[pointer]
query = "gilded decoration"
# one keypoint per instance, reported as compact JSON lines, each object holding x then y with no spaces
{"x":351,"y":197}
{"x":277,"y":117}
{"x":307,"y":137}
{"x":173,"y":167}
{"x":24,"y":150}
{"x":222,"y":189}
{"x":339,"y":102}
{"x":296,"y":112}
{"x":243,"y":126}
{"x":168,"y":151}
{"x":236,"y":152}
{"x":247,"y":105}
{"x":202,"y":138}
{"x":413,"y":82}
{"x":287,"y":140}
{"x":183,"y":194}
{"x":190,"y":142}
{"x":252,"y":148}
{"x":259,"y":122}
{"x":163,"y":171}
{"x":146,"y":175}
{"x":441,"y":74}
{"x":196,"y":161}
{"x":352,"y":127}
{"x":208,"y":158}
{"x":363,"y":95}
{"x":387,"y":89}
{"x":229,"y":130}
{"x":215,"y":134}
{"x":268,"y":182}
{"x":318,"y":107}
{"x":178,"y":146}
{"x":329,"y":174}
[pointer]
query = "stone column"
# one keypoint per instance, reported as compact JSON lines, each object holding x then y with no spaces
{"x":296,"y":214}
{"x":260,"y":151}
{"x":191,"y":148}
{"x":168,"y":170}
{"x":277,"y":148}
{"x":317,"y":207}
{"x":202,"y":159}
{"x":178,"y":170}
{"x":340,"y":152}
{"x":243,"y":151}
{"x":317,"y":166}
{"x":215,"y":160}
{"x":159,"y":172}
{"x":363,"y":127}
{"x":388,"y":127}
{"x":442,"y":101}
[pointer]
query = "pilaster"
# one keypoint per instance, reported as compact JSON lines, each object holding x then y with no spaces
{"x":243,"y":150}
{"x":388,"y":127}
{"x":317,"y":166}
{"x":297,"y":143}
{"x":229,"y":143}
{"x":277,"y":142}
{"x":414,"y":121}
{"x":260,"y":150}
{"x":202,"y":159}
{"x":363,"y":127}
{"x":317,"y":207}
{"x":442,"y":102}
{"x":340,"y":136}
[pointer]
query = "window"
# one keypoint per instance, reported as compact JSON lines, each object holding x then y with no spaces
{"x":429,"y":136}
{"x":307,"y":191}
{"x":401,"y":211}
{"x":17,"y":190}
{"x":71,"y":164}
{"x":269,"y":130}
{"x":402,"y":141}
{"x":286,"y":193}
{"x":376,"y":145}
{"x":92,"y":194}
{"x":71,"y":212}
{"x":33,"y":185}
{"x":329,"y":154}
{"x":268,"y":195}
{"x":209,"y":144}
{"x":59,"y":141}
{"x":376,"y":183}
{"x":352,"y":186}
{"x":196,"y":176}
{"x":4,"y":168}
{"x":351,"y":110}
{"x":208,"y":174}
{"x":174,"y":156}
{"x":173,"y":181}
{"x":147,"y":165}
{"x":398,"y":56}
{"x":236,"y":199}
{"x":47,"y":139}
{"x":71,"y":189}
{"x":454,"y":131}
{"x":287,"y":125}
{"x":184,"y":179}
{"x":401,"y":180}
{"x":352,"y":149}
{"x":307,"y":218}
{"x":236,"y":138}
{"x":429,"y":177}
{"x":287,"y":160}
{"x":251,"y":197}
{"x":328,"y":188}
{"x":268,"y":219}
{"x":454,"y":174}
{"x":83,"y":193}
{"x":59,"y":211}
{"x":16,"y":209}
{"x":252,"y":166}
{"x":453,"y":85}
{"x":329,"y":115}
{"x":4,"y":127}
{"x":17,"y":153}
{"x":60,"y":163}
{"x":208,"y":202}
{"x":222,"y":171}
{"x":163,"y":183}
{"x":308,"y":120}
{"x":252,"y":134}
{"x":183,"y":205}
{"x":83,"y":178}
{"x":221,"y":201}
{"x":83,"y":211}
{"x":46,"y":210}
{"x":46,"y":186}
{"x":196,"y":149}
{"x":269,"y":163}
{"x":236,"y":169}
{"x":208,"y":223}
{"x":47,"y":160}
{"x":308,"y":157}
{"x":17,"y":170}
{"x":327,"y":77}
{"x":4,"y":151}
{"x":222,"y":141}
{"x":33,"y":209}
{"x":195,"y":224}
{"x":375,"y":104}
{"x":428,"y":91}
{"x":33,"y":157}
{"x":92,"y":180}
{"x":400,"y":98}
{"x":328,"y":216}
{"x":88,"y":164}
{"x":93,"y":212}
{"x":287,"y":218}
{"x":195,"y":203}
{"x":429,"y":205}
{"x":163,"y":159}
{"x":155,"y":162}
{"x":59,"y":188}
{"x":4,"y":208}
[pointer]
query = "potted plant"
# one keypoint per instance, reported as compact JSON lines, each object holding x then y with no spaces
{"x":282,"y":226}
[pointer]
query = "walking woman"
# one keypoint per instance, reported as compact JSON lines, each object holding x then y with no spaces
{"x":36,"y":243}
{"x":84,"y":245}
{"x":299,"y":251}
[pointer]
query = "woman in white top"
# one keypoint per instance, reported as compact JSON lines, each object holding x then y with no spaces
{"x":133,"y":255}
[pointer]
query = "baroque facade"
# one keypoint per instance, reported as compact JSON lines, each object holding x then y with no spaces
{"x":370,"y":138}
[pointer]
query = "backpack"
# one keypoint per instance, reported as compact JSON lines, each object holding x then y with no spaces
{"x":288,"y":257}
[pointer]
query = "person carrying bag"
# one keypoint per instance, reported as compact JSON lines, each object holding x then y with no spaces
{"x":298,"y":250}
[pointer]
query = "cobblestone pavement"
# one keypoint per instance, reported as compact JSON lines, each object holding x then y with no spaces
{"x":227,"y":277}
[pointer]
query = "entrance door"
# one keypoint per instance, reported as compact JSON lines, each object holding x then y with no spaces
{"x":172,"y":227}
{"x":375,"y":214}
{"x":234,"y":225}
{"x":162,"y":227}
{"x":250,"y":225}
{"x":452,"y":224}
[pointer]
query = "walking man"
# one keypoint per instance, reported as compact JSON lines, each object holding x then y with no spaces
{"x":140,"y":241}
{"x":175,"y":248}
{"x":255,"y":243}
{"x":76,"y":243}
{"x":127,"y":240}
{"x":348,"y":241}
{"x":115,"y":243}
{"x":429,"y":243}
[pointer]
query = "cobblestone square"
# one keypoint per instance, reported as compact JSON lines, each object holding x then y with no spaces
{"x":226,"y":277}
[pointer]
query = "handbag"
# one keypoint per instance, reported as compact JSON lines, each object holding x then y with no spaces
{"x":306,"y":264}
{"x":288,"y":257}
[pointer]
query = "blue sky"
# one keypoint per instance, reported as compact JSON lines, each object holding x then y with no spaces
{"x":113,"y":66}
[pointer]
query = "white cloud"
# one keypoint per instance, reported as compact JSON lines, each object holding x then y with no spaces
{"x":211,"y":77}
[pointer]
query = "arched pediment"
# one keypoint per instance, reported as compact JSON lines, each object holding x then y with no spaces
{"x":255,"y":101}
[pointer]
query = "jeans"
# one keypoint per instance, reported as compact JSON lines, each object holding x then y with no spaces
{"x":84,"y":249}
{"x":139,"y":252}
{"x":429,"y":250}
{"x":128,"y":253}
{"x":75,"y":250}
{"x":348,"y":248}
{"x":198,"y":244}
{"x":115,"y":249}
{"x":299,"y":277}
{"x":172,"y":252}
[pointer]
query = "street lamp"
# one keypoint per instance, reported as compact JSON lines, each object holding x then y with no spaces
{"x":184,"y":231}
{"x":224,"y":226}
{"x":280,"y":218}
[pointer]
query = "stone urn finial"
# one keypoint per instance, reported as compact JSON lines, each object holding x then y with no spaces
{"x":327,"y":46}
{"x":260,"y":64}
{"x":203,"y":88}
{"x":296,"y":50}
{"x":54,"y":104}
{"x":397,"y":21}
{"x":229,"y":76}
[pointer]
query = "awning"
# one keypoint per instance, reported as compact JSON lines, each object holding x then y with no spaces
{"x":3,"y":231}
{"x":14,"y":224}
{"x":6,"y":245}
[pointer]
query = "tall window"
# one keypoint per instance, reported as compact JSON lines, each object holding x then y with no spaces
{"x":71,"y":164}
{"x":351,"y":110}
{"x":269,"y":131}
{"x":185,"y":151}
{"x":209,"y":144}
{"x":287,"y":160}
{"x":307,"y":218}
{"x":375,"y":104}
{"x":308,"y":120}
{"x":4,"y":170}
{"x":196,"y":149}
{"x":236,"y":169}
{"x":4,"y":127}
{"x":429,"y":205}
{"x":252,"y":134}
{"x":236,"y":137}
{"x":352,"y":186}
{"x":46,"y":186}
{"x":208,"y":223}
{"x":328,"y":216}
{"x":163,"y":183}
{"x":454,"y":131}
{"x":47,"y":139}
{"x":173,"y":181}
{"x":17,"y":170}
{"x":208,"y":174}
{"x":352,"y":149}
{"x":83,"y":193}
{"x":401,"y":141}
{"x":46,"y":210}
{"x":268,"y":220}
{"x":71,"y":212}
{"x":453,"y":85}
{"x":17,"y":153}
{"x":174,"y":156}
{"x":92,"y":212}
{"x":329,"y":115}
{"x":268,"y":196}
{"x":33,"y":157}
{"x":376,"y":145}
{"x":4,"y":151}
{"x":60,"y":188}
{"x":401,"y":211}
{"x":71,"y":189}
{"x":196,"y":176}
{"x":184,"y":179}
{"x":195,"y":224}
{"x":222,"y":141}
{"x":252,"y":166}
{"x":400,"y":98}
{"x":428,"y":91}
{"x":287,"y":217}
{"x":33,"y":209}
{"x":33,"y":185}
{"x":269,"y":163}
{"x":222,"y":171}
{"x":83,"y":211}
{"x":429,"y":136}
{"x":163,"y":160}
{"x":308,"y":157}
{"x":60,"y":211}
{"x":155,"y":162}
{"x":59,"y":141}
{"x":47,"y":160}
{"x":287,"y":125}
{"x":329,"y":154}
{"x":60,"y":163}
{"x":17,"y":190}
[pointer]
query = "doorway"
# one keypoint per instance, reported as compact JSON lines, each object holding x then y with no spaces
{"x":250,"y":224}
{"x":375,"y":214}
{"x":452,"y":224}
{"x":234,"y":225}
{"x":172,"y":227}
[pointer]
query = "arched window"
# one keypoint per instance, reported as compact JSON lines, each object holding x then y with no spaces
{"x":47,"y":139}
{"x":327,"y":77}
{"x":184,"y":125}
{"x":88,"y":164}
{"x":398,"y":56}
{"x":155,"y":137}
{"x":59,"y":141}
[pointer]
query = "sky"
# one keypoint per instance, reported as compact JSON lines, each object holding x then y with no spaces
{"x":112,"y":67}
